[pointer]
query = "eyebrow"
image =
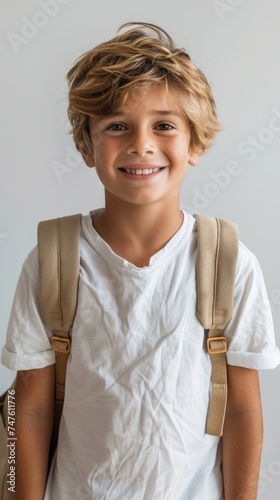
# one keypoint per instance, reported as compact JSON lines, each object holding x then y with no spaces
{"x":164,"y":112}
{"x":160,"y":112}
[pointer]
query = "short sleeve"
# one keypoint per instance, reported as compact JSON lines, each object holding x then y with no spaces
{"x":28,"y":337}
{"x":250,"y":332}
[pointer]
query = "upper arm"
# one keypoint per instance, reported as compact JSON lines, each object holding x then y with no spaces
{"x":35,"y":391}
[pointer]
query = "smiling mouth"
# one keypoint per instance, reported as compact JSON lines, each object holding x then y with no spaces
{"x":140,"y":171}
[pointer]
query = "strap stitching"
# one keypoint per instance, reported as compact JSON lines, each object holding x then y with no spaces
{"x":59,"y":269}
{"x":216,"y":272}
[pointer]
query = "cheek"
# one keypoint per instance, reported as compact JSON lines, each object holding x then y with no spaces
{"x":180,"y":151}
{"x":100,"y":150}
{"x":97,"y":141}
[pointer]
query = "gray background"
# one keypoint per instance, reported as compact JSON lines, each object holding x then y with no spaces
{"x":236,"y":43}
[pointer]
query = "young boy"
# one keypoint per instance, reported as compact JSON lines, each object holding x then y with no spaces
{"x":138,"y":377}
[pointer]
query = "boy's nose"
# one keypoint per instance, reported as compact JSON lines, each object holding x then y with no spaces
{"x":141,"y":143}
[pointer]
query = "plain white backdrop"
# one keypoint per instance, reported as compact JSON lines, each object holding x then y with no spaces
{"x":237,"y":44}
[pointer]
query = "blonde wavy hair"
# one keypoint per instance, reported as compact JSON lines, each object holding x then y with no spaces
{"x":132,"y":62}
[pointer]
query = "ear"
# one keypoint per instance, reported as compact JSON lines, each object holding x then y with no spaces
{"x":193,"y":159}
{"x":88,"y":158}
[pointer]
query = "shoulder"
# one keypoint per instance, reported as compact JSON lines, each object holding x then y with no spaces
{"x":247,"y":262}
{"x":248,"y":268}
{"x":30,"y":267}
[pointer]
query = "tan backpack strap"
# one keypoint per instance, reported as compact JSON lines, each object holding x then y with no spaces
{"x":217,"y":251}
{"x":59,"y":257}
{"x":59,"y":265}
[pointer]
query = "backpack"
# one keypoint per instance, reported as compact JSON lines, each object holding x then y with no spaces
{"x":59,"y":257}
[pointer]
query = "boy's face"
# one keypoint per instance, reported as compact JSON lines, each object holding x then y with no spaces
{"x":141,"y":152}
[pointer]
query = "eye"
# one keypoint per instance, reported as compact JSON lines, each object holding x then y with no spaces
{"x":165,"y":126}
{"x":116,"y":126}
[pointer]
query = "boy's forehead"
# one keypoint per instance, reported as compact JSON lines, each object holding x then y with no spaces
{"x":156,"y":101}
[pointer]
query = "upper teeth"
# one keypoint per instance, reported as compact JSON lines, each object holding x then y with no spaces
{"x":146,"y":171}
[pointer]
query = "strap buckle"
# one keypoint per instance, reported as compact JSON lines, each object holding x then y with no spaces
{"x":216,"y":349}
{"x":61,"y":344}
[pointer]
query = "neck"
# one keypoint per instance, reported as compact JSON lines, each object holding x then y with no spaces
{"x":137,"y":232}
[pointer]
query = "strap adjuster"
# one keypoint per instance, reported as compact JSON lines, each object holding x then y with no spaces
{"x":61,"y":344}
{"x":218,"y":348}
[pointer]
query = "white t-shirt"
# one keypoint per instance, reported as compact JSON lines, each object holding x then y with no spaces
{"x":138,"y":376}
